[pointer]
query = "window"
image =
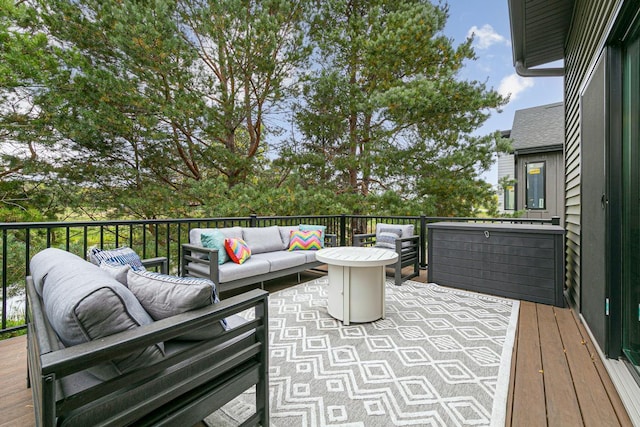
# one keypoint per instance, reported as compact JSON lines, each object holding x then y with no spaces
{"x":509,"y":197}
{"x":535,"y":185}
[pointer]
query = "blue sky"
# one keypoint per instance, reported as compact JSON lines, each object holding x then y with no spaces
{"x":489,"y":20}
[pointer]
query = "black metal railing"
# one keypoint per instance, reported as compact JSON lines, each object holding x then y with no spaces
{"x":164,"y":237}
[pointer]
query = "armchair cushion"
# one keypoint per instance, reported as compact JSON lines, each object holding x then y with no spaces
{"x":407,"y":231}
{"x":386,"y":237}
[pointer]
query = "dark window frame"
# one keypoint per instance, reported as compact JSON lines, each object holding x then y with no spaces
{"x":544,"y":185}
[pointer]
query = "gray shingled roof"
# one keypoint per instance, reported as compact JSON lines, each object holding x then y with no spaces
{"x":538,"y":127}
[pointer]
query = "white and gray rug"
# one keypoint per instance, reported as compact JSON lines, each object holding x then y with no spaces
{"x":441,"y":357}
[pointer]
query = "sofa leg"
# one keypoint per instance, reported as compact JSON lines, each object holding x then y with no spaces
{"x":298,"y":277}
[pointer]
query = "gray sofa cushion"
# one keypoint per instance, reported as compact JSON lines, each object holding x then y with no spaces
{"x":251,"y":267}
{"x":285,"y":234}
{"x":262,"y":239}
{"x":164,"y":296}
{"x":84,"y":303}
{"x":231,"y":232}
{"x":280,"y":260}
{"x":310,"y":256}
{"x":46,"y":260}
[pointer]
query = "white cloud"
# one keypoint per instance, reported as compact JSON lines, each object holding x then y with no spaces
{"x":486,"y":36}
{"x":513,"y":85}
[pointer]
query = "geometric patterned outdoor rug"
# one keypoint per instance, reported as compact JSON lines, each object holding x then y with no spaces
{"x":441,"y":357}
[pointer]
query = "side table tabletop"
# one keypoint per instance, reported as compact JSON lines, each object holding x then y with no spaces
{"x":356,"y":282}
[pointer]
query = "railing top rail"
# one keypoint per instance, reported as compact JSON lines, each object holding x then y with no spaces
{"x":53,"y":224}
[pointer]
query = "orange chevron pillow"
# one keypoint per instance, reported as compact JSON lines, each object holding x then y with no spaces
{"x":237,"y":249}
{"x":305,"y":240}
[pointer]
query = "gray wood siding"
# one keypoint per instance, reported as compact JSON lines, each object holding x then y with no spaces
{"x":554,"y":185}
{"x":585,"y":41}
{"x":506,"y":168}
{"x":515,"y":261}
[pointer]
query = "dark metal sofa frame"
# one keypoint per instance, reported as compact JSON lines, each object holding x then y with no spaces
{"x":239,"y":360}
{"x":407,"y":256}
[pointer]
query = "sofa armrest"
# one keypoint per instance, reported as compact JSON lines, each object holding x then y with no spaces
{"x":330,"y":240}
{"x":364,"y":239}
{"x":161,"y":262}
{"x":200,"y":255}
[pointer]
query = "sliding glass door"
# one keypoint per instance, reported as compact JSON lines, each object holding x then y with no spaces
{"x":631,"y":203}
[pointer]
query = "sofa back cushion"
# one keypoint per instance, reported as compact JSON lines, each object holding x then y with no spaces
{"x":229,"y":232}
{"x":262,"y":239}
{"x":84,"y":303}
{"x":285,"y":234}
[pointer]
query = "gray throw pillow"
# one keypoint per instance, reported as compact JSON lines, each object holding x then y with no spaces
{"x":386,"y":237}
{"x":165,"y":296}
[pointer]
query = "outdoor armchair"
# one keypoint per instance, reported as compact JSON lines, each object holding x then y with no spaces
{"x":400,"y":239}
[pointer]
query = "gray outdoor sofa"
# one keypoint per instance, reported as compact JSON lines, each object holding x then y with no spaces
{"x":174,"y":371}
{"x":270,"y":257}
{"x":398,"y":238}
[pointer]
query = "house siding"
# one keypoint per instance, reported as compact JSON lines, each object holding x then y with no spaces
{"x":554,"y":196}
{"x":506,"y":168}
{"x":586,"y":39}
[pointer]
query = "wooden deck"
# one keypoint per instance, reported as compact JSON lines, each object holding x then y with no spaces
{"x":557,"y":378}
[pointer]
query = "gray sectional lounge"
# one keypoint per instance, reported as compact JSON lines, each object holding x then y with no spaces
{"x":270,"y":257}
{"x":97,"y":357}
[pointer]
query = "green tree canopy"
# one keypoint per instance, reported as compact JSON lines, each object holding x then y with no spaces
{"x":174,"y":108}
{"x":385,"y":110}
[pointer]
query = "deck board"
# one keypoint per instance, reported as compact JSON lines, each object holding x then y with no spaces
{"x":595,"y":405}
{"x":561,"y":402}
{"x":546,"y":382}
{"x":528,"y":393}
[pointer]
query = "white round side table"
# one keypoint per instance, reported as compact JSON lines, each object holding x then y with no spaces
{"x":356,"y":282}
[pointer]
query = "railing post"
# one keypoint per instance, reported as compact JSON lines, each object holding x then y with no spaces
{"x":253,"y":220}
{"x":343,"y":230}
{"x":423,"y":241}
